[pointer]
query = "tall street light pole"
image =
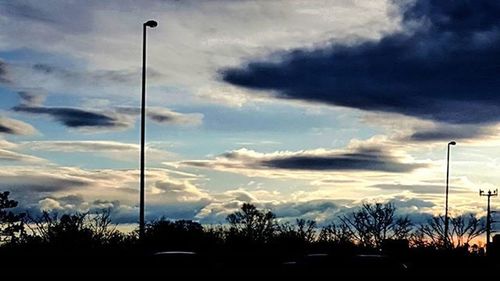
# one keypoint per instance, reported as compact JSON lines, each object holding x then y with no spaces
{"x":151,"y":24}
{"x":446,"y":219}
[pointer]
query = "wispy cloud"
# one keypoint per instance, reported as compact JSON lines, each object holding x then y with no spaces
{"x":77,"y":117}
{"x":31,"y":98}
{"x":96,"y":77}
{"x":118,"y":151}
{"x":11,"y":156}
{"x":165,"y":116}
{"x":355,"y":158}
{"x":82,"y":146}
{"x":116,"y":118}
{"x":15,"y":127}
{"x":446,"y":132}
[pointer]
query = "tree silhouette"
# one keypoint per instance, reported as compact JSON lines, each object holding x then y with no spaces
{"x":374,"y":223}
{"x":252,"y":224}
{"x":433,"y":230}
{"x":11,"y":224}
{"x":339,"y":233}
{"x":464,"y":229}
{"x":79,"y":230}
{"x":303,"y":231}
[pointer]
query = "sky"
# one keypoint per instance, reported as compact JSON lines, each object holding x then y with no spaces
{"x":307,"y":108}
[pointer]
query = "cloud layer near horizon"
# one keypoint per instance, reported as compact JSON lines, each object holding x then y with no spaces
{"x":71,"y":189}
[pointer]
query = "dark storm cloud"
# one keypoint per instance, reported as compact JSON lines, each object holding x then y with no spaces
{"x":444,"y":70}
{"x":74,"y":117}
{"x":356,"y":161}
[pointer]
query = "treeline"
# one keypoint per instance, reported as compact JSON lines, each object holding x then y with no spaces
{"x":248,"y":229}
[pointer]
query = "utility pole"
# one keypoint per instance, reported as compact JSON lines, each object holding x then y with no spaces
{"x":488,"y":215}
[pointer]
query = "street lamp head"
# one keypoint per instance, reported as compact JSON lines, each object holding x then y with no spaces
{"x":452,"y":143}
{"x":151,"y":23}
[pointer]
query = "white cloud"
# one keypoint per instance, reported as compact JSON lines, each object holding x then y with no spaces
{"x":49,"y":204}
{"x":180,"y":190}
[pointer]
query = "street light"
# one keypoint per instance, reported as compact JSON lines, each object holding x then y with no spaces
{"x":446,"y":219}
{"x":151,"y":24}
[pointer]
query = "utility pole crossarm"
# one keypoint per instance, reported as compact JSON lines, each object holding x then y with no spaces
{"x":489,"y":221}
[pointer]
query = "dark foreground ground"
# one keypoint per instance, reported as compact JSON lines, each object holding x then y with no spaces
{"x":240,"y":265}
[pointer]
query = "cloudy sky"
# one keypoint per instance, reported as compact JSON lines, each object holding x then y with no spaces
{"x":305,"y":107}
